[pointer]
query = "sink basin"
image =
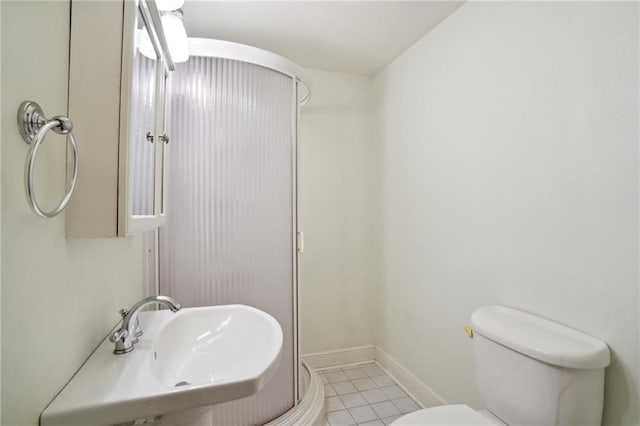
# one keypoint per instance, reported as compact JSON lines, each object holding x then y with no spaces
{"x":207,"y":345}
{"x":195,"y":357}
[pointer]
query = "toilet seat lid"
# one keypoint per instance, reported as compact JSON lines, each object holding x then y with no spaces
{"x":452,"y":415}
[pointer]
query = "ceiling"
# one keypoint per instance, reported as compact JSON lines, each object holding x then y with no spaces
{"x":346,"y":36}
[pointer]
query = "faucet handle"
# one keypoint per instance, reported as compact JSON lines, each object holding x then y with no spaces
{"x":118,"y":335}
{"x":137,"y":331}
{"x":122,"y":340}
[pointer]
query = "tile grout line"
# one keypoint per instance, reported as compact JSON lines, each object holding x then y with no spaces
{"x":370,"y":376}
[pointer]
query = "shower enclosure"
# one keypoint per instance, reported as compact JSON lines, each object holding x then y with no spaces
{"x":231,"y":227}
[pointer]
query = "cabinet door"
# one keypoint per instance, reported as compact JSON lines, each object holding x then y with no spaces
{"x":146,"y":139}
{"x":162,"y":143}
{"x":141,"y":140}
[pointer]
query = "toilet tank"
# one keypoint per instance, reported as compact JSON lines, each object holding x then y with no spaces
{"x":532,"y":371}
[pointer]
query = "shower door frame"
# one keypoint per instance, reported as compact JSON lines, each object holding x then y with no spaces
{"x":256,"y":56}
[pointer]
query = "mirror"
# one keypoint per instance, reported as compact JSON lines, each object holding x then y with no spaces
{"x":141,"y":142}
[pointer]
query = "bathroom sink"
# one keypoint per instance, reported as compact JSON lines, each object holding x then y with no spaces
{"x":195,"y":357}
{"x":208,"y":345}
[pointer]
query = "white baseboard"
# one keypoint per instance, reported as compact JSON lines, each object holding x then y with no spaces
{"x":346,"y":356}
{"x":421,"y":393}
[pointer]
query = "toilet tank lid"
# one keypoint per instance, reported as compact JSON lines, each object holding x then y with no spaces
{"x":540,"y":338}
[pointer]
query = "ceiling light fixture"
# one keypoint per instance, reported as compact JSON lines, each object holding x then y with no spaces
{"x":176,"y":35}
{"x":144,"y":43}
{"x":169,"y":5}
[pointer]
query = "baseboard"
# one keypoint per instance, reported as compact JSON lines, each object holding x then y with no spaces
{"x":346,"y":356}
{"x":421,"y":393}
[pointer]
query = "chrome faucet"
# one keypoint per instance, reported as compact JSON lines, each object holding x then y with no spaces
{"x":127,"y":335}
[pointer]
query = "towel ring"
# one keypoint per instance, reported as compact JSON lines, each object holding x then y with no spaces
{"x":33,"y":128}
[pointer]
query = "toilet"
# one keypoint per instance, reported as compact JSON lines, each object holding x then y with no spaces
{"x":529,"y":371}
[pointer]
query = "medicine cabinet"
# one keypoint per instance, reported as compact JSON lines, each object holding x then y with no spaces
{"x":118,"y":80}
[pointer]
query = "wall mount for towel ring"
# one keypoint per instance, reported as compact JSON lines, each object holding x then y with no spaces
{"x":33,"y":127}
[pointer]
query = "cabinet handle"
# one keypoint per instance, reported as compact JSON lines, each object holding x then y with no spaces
{"x":164,"y":138}
{"x":150,"y":137}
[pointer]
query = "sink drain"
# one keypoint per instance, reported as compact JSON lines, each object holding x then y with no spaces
{"x":181,"y":384}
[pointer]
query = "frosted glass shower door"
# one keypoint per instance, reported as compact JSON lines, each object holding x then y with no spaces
{"x":229,"y":236}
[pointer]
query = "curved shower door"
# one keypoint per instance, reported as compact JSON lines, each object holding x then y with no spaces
{"x":230,"y":229}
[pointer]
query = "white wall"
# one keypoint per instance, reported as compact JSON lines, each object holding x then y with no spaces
{"x":336,"y":308}
{"x":59,"y":298}
{"x":510,"y":175}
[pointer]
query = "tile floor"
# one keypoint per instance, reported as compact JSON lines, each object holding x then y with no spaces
{"x":363,"y":395}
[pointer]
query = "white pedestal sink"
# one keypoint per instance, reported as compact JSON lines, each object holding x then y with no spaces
{"x":194,"y":358}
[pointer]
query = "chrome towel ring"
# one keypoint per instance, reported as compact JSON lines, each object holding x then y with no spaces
{"x":33,"y":127}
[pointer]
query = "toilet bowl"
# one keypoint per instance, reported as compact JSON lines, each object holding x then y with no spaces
{"x":448,"y":415}
{"x":529,"y":371}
